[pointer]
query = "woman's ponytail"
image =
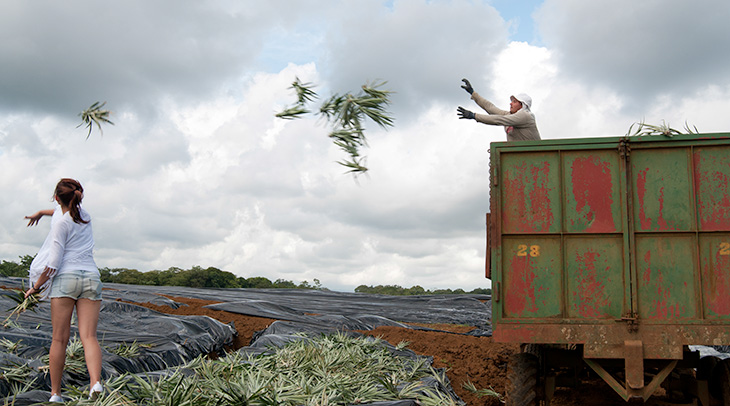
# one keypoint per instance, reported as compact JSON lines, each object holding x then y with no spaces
{"x":70,"y":193}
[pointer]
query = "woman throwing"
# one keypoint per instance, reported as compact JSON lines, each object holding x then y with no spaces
{"x":65,"y":271}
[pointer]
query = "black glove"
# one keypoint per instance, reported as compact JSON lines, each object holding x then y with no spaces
{"x":467,"y":86}
{"x":464,"y":113}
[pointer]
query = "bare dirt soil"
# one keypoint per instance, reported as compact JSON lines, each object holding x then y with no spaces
{"x":466,"y":358}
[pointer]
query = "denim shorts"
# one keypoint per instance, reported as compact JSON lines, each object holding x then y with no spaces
{"x":76,"y":285}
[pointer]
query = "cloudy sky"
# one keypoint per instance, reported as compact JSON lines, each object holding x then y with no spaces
{"x":196,"y":170}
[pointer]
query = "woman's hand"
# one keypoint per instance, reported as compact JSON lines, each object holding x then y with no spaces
{"x":31,"y":291}
{"x":35,"y":218}
{"x":42,"y":279}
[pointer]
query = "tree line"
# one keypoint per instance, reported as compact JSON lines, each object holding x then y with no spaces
{"x":211,"y":277}
{"x":195,"y":277}
{"x":395,"y":290}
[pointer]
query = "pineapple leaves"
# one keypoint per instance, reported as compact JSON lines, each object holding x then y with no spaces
{"x":346,"y":114}
{"x":95,"y":114}
{"x":641,"y":129}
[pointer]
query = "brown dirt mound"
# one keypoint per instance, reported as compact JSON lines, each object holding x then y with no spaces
{"x":246,"y":326}
{"x":466,"y":358}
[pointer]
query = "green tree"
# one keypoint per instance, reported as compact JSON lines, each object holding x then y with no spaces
{"x":106,"y":275}
{"x":258,"y":282}
{"x":315,"y":285}
{"x":110,"y":275}
{"x":416,"y":290}
{"x":284,"y":284}
{"x":211,"y":277}
{"x":131,"y":277}
{"x":26,"y":260}
{"x":393,"y":290}
{"x":396,"y":290}
{"x":172,"y":276}
{"x":8,"y":268}
{"x":362,"y":289}
{"x":346,"y":113}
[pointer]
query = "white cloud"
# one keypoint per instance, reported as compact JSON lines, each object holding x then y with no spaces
{"x":198,"y":171}
{"x":639,"y":49}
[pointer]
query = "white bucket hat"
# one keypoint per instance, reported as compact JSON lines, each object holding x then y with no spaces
{"x":524,"y":99}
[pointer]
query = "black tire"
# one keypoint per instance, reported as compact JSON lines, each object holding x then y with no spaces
{"x":722,"y":374}
{"x":707,"y":364}
{"x":522,"y":387}
{"x":677,"y":385}
{"x":704,"y":372}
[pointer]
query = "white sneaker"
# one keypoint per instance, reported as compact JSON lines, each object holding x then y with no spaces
{"x":95,"y":391}
{"x":55,"y":399}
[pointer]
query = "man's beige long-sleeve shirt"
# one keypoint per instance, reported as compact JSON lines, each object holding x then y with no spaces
{"x":519,"y":126}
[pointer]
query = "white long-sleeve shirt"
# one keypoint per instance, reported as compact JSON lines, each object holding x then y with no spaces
{"x":519,"y":126}
{"x":68,"y":246}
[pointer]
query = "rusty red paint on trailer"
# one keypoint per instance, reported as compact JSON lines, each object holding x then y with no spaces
{"x":592,"y":189}
{"x":665,"y":311}
{"x":641,"y":193}
{"x":661,"y":310}
{"x":717,"y":285}
{"x":714,"y":210}
{"x":539,"y":196}
{"x":515,"y":334}
{"x":647,"y":271}
{"x":520,"y":293}
{"x":529,"y":184}
{"x":590,"y":291}
{"x":516,"y":196}
{"x":660,"y":221}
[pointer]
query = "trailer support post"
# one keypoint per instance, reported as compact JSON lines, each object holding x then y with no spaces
{"x":634,"y":363}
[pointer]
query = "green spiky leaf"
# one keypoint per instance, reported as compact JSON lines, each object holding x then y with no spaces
{"x":95,"y":114}
{"x":346,"y":114}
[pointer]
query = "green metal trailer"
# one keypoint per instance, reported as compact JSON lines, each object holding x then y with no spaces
{"x":612,"y":255}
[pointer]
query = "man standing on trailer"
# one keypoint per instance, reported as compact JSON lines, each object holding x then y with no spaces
{"x":519,"y":122}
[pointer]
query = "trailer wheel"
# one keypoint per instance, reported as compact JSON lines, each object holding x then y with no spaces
{"x":705,"y":367}
{"x":722,"y":374}
{"x":522,"y":373}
